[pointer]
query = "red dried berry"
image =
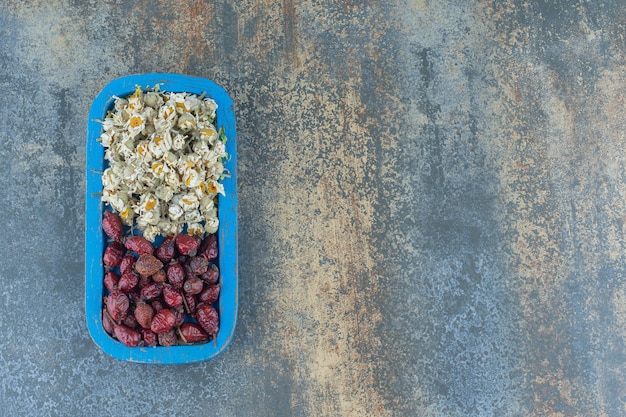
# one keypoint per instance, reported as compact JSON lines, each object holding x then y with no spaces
{"x":112,"y":226}
{"x":110,"y":280}
{"x":198,"y":265}
{"x":208,"y":318}
{"x":106,"y":322}
{"x":148,"y":264}
{"x":149,"y":337}
{"x":143,"y":314}
{"x":152,"y":291}
{"x":139,"y":244}
{"x":180,"y":317}
{"x":117,"y":304}
{"x":113,"y":254}
{"x":163,"y":321}
{"x":193,"y":285}
{"x":167,"y":250}
{"x":159,"y":276}
{"x":157,"y":305}
{"x":188,"y":272}
{"x":130,"y":321}
{"x":126,"y":265}
{"x":175,"y":275}
{"x":167,"y":338}
{"x":135,"y":296}
{"x":190,"y":304}
{"x":128,"y":336}
{"x":186,"y":245}
{"x":212,"y":275}
{"x":193,"y":333}
{"x":143,"y":281}
{"x":208,"y":248}
{"x":210,"y":294}
{"x":128,"y":282}
{"x":172,"y":296}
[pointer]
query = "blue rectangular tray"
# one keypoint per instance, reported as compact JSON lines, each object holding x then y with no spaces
{"x":95,"y":238}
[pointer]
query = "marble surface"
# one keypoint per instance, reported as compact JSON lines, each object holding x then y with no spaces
{"x":432,"y":206}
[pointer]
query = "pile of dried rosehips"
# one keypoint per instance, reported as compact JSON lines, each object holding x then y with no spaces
{"x":163,"y":295}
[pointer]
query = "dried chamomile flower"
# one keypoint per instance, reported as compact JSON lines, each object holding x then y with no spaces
{"x":136,"y":124}
{"x":178,"y":142}
{"x":211,"y":225}
{"x":165,"y":159}
{"x":175,"y":212}
{"x":186,"y":121}
{"x":195,"y":229}
{"x":151,"y":232}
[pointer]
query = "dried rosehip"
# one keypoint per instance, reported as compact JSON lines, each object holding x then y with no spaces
{"x":188,"y":272}
{"x":167,"y":250}
{"x":159,"y":276}
{"x":139,"y":244}
{"x":163,"y":321}
{"x":148,"y":264}
{"x":212,"y":275}
{"x":143,"y":314}
{"x":193,"y":333}
{"x":189,"y":301}
{"x":172,"y":296}
{"x":148,"y":303}
{"x":186,"y":245}
{"x":126,"y":265}
{"x":198,"y":265}
{"x":151,"y":291}
{"x":208,"y":248}
{"x":135,"y":296}
{"x":167,"y":338}
{"x":210,"y":294}
{"x":175,"y":275}
{"x":107,"y":323}
{"x":112,"y":226}
{"x":180,"y":317}
{"x":143,"y":281}
{"x":193,"y":285}
{"x":130,"y":321}
{"x":149,"y":337}
{"x":128,"y":336}
{"x":128,"y":282}
{"x":113,"y":254}
{"x":208,"y":318}
{"x":117,"y":304}
{"x":110,"y":280}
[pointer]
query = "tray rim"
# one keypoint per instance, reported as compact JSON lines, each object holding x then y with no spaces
{"x":227,"y":232}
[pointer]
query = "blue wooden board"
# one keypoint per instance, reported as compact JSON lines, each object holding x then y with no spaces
{"x":95,"y":238}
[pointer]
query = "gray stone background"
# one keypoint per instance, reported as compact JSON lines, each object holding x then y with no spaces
{"x":432,"y":205}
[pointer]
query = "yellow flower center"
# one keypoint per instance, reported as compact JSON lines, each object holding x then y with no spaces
{"x":157,"y":167}
{"x":135,"y":121}
{"x":150,"y":204}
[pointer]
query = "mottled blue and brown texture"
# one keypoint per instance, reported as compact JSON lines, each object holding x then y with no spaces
{"x":432,"y":205}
